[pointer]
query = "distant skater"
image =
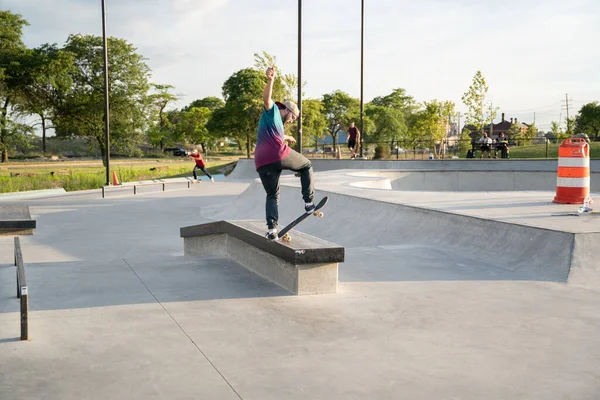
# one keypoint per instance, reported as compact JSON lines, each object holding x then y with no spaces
{"x":200,"y":165}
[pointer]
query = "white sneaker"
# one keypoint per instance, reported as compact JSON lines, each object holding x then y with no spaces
{"x":309,"y":207}
{"x":212,"y":179}
{"x":272,"y":235}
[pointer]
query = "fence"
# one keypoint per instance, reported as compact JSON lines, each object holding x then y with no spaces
{"x":22,"y":290}
{"x":422,"y":149}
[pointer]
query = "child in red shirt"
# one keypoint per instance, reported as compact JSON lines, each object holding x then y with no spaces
{"x":200,"y":165}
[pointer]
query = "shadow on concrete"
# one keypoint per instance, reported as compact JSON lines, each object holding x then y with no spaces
{"x":410,"y":263}
{"x":72,"y":285}
{"x":8,"y":340}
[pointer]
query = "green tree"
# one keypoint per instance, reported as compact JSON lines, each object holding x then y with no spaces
{"x":314,"y":122}
{"x":588,"y":120}
{"x":387,"y":124}
{"x":212,"y":103}
{"x":193,"y":125}
{"x":432,"y":124}
{"x":161,"y":127}
{"x":398,"y":100}
{"x":531,"y":133}
{"x":50,"y":72}
{"x":239,"y":118}
{"x":14,"y":77}
{"x":557,"y":132}
{"x":570,"y":124}
{"x":515,"y":133}
{"x":81,"y":113}
{"x":340,"y":109}
{"x":479,"y":112}
{"x":285,"y":86}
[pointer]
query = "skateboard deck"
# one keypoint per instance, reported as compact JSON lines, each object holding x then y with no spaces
{"x":576,"y":214}
{"x":284,"y":233}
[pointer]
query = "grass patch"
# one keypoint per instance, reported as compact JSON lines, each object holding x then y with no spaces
{"x":20,"y":177}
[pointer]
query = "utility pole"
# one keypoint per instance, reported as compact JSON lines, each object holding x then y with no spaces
{"x":362,"y":69}
{"x":106,"y":96}
{"x":299,"y":145}
{"x":566,"y":101}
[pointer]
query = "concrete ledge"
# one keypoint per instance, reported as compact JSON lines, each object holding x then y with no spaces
{"x":307,"y":265}
{"x":16,"y":220}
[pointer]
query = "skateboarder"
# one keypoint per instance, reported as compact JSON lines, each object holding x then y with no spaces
{"x":200,"y":165}
{"x":272,"y":154}
{"x":353,"y":139}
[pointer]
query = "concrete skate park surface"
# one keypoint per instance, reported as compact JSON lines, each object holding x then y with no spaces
{"x":443,"y":295}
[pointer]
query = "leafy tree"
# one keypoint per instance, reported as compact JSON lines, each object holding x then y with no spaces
{"x":239,"y":118}
{"x":515,"y":132}
{"x":314,"y":122}
{"x":14,"y":76}
{"x":432,"y":123}
{"x":193,"y":125}
{"x":479,"y":112}
{"x":160,"y":132}
{"x":340,"y":109}
{"x":387,"y":124}
{"x":212,"y":103}
{"x":531,"y":132}
{"x":81,"y":113}
{"x":392,"y":117}
{"x":50,"y":80}
{"x":285,"y":86}
{"x":398,"y":100}
{"x":588,"y":120}
{"x":570,"y":123}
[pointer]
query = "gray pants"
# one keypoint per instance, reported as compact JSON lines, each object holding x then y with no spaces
{"x":269,"y":176}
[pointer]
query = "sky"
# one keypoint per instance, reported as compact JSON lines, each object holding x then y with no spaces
{"x":531,"y":52}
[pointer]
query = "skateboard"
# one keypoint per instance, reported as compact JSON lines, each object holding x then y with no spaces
{"x":585,"y":210}
{"x":576,"y":214}
{"x":284,"y":233}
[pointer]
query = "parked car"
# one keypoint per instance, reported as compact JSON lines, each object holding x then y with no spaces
{"x":177,"y":151}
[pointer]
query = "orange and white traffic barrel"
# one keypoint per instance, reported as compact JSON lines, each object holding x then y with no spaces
{"x":573,"y":180}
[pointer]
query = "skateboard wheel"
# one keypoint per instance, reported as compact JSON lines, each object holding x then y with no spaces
{"x":286,"y":238}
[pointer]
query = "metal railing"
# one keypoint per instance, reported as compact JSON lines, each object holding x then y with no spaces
{"x":22,"y":290}
{"x":136,"y":185}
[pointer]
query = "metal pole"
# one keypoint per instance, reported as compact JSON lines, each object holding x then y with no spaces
{"x":362,"y":48}
{"x":299,"y":145}
{"x":106,"y":102}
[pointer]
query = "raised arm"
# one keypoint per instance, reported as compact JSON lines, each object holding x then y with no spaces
{"x":270,"y":72}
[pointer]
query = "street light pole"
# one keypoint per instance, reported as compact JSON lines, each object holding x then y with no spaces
{"x":106,"y":102}
{"x":299,"y":145}
{"x":362,"y":63}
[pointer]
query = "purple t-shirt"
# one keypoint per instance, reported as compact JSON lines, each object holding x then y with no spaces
{"x":270,"y":144}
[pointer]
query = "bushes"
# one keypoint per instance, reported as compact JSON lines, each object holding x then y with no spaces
{"x":382,"y":152}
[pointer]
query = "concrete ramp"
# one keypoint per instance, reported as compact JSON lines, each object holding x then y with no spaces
{"x":526,"y":252}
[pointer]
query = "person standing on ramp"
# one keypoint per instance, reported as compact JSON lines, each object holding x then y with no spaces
{"x":272,"y":155}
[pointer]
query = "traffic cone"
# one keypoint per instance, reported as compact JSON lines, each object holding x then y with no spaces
{"x":115,"y":179}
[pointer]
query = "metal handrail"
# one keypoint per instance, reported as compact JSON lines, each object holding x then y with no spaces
{"x":22,"y":290}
